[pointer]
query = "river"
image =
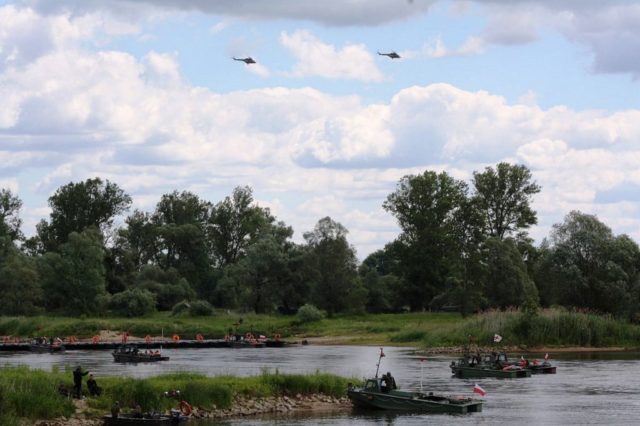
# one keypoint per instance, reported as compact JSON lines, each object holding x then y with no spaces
{"x":589,"y":388}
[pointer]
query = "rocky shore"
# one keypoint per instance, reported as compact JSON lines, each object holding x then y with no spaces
{"x":241,"y":407}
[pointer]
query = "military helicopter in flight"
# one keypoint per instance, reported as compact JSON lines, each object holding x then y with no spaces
{"x":392,"y":55}
{"x":248,"y":60}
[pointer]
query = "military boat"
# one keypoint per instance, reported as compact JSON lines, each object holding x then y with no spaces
{"x":494,"y":364}
{"x":381,"y":393}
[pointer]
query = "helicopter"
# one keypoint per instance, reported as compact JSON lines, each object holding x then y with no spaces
{"x":248,"y":60}
{"x":392,"y":55}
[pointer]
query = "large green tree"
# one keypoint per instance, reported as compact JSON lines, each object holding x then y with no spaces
{"x":429,"y":209}
{"x":19,"y":285}
{"x":10,"y":221}
{"x":73,"y":279}
{"x":504,"y":196}
{"x":232,"y":225}
{"x":180,"y":220}
{"x":333,"y":263}
{"x":252,"y":282}
{"x":508,"y":281}
{"x":592,"y":268}
{"x":167,"y":285}
{"x":77,"y":206}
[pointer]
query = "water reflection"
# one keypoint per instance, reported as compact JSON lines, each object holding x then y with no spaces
{"x":595,"y":388}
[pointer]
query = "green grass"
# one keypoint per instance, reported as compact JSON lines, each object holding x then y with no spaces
{"x":551,"y":327}
{"x":555,"y":327}
{"x":154,"y":325}
{"x":32,"y":394}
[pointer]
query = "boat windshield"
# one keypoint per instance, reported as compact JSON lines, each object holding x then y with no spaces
{"x":371,"y":385}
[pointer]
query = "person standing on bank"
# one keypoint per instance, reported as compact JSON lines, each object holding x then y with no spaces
{"x":77,"y":381}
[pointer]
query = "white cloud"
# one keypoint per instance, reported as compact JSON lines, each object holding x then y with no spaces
{"x":328,"y":12}
{"x":68,"y":114}
{"x":607,"y":28}
{"x":437,"y":48}
{"x":319,"y":59}
{"x":218,"y":27}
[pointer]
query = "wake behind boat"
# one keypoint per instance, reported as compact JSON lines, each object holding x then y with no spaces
{"x":131,"y":353}
{"x":382,"y":394}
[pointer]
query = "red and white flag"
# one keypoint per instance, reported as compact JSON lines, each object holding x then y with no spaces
{"x":546,"y":357}
{"x":497,"y":338}
{"x":478,"y":389}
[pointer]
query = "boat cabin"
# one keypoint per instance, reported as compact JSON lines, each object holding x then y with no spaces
{"x":373,"y":385}
{"x":376,"y":385}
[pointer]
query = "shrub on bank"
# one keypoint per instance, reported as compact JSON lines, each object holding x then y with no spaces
{"x":309,"y":313}
{"x":133,"y":302}
{"x":31,"y":394}
{"x":549,"y":327}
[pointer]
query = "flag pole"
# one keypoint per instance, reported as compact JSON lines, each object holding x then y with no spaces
{"x":421,"y":369}
{"x":378,"y":365}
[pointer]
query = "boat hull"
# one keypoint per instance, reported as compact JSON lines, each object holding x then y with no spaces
{"x":544,"y":369}
{"x":138,"y":358}
{"x":46,"y":348}
{"x":409,"y":401}
{"x":475,"y":372}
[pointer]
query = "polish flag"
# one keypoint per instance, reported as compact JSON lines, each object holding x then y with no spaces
{"x":478,"y":389}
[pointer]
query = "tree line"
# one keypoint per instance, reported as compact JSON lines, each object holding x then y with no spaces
{"x":462,"y":246}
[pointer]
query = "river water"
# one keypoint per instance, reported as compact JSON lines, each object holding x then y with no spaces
{"x":589,"y":388}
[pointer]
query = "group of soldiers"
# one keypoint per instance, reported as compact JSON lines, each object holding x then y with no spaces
{"x":92,"y":385}
{"x":388,"y":381}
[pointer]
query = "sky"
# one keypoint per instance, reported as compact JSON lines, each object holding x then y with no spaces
{"x":145,"y":93}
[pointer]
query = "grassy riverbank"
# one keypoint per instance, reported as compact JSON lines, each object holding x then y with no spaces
{"x":553,"y":327}
{"x":26,"y":395}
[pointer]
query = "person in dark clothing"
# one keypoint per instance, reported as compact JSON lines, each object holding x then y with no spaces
{"x":385,"y":384}
{"x":94,"y":389}
{"x":115,"y":410}
{"x":391,"y":382}
{"x":137,"y":412}
{"x":77,"y":381}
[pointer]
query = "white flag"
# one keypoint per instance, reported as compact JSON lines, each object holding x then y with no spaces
{"x":497,"y":338}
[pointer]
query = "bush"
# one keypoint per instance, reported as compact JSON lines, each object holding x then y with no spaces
{"x":309,"y":313}
{"x":197,"y":308}
{"x":200,"y":308}
{"x":181,"y":308}
{"x":133,"y":302}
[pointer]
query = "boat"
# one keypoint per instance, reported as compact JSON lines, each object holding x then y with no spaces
{"x":246,"y":341}
{"x":379,"y":395}
{"x":42,"y":345}
{"x":147,"y":419}
{"x":131,"y":353}
{"x":372,"y":396}
{"x":494,"y":364}
{"x":538,"y":367}
{"x":544,"y":368}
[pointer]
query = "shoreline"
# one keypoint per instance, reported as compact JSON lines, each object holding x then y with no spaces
{"x":241,"y":407}
{"x":346,"y":340}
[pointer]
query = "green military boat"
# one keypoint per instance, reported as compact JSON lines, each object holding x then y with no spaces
{"x":381,"y":393}
{"x":489,"y":365}
{"x":372,"y":396}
